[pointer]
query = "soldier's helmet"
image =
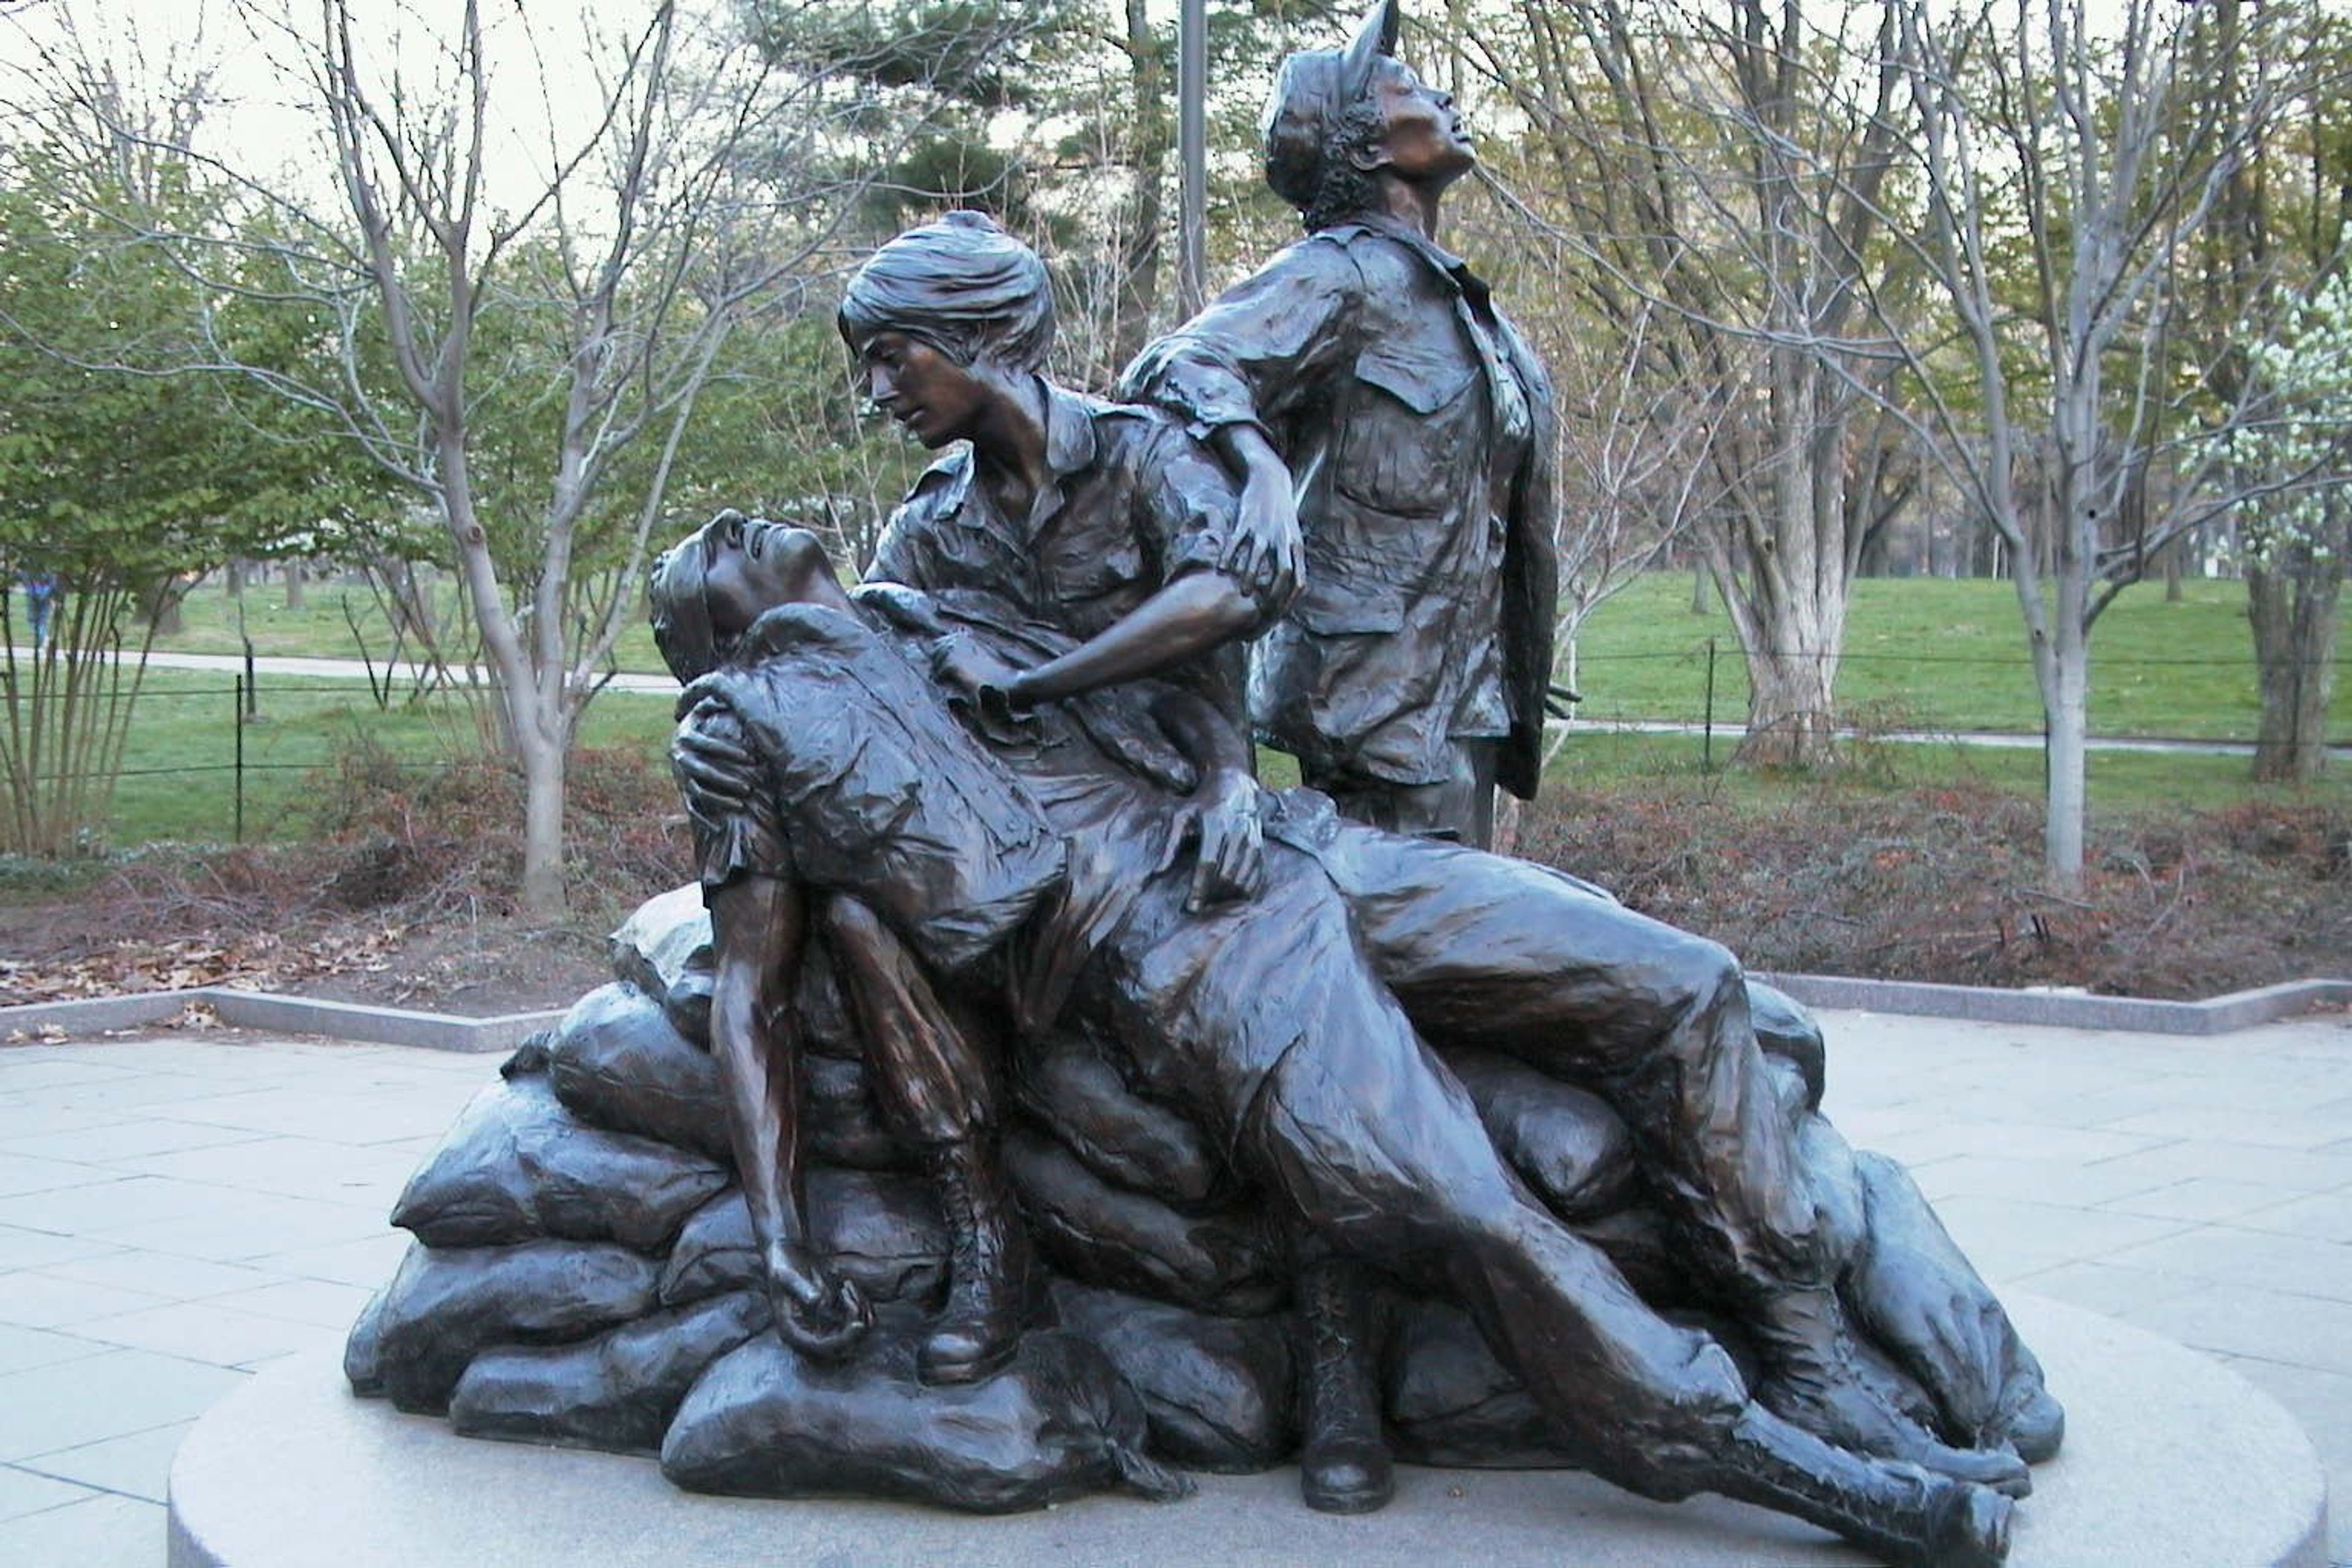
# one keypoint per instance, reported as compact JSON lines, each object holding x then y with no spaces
{"x":1315,"y":87}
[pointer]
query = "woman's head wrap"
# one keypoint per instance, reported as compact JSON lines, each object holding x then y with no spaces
{"x":961,"y":285}
{"x":680,"y":611}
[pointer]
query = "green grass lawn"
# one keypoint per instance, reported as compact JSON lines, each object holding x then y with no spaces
{"x":1921,"y":653}
{"x":1935,"y":654}
{"x":215,"y":622}
{"x":2121,"y":783}
{"x":179,"y":763}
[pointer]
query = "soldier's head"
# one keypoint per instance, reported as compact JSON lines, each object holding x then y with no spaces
{"x":1340,"y":119}
{"x":705,"y":591}
{"x":938,"y":312}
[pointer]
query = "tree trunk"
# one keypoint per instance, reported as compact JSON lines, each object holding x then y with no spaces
{"x":535,"y":728}
{"x":160,"y":603}
{"x":542,"y":895}
{"x":1790,"y":615}
{"x":1700,"y":603}
{"x":235,"y":577}
{"x":2070,"y":491}
{"x":293,"y":584}
{"x":2292,"y":605}
{"x":2066,"y":714}
{"x":1791,"y":707}
{"x":1153,"y":111}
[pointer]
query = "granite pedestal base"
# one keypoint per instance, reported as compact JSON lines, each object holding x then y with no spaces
{"x":2171,"y":1461}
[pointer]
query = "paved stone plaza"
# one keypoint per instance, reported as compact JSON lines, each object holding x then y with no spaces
{"x":177,"y":1210}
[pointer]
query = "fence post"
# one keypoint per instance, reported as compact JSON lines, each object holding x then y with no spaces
{"x":241,"y":696}
{"x":252,"y":691}
{"x":1706,"y":745}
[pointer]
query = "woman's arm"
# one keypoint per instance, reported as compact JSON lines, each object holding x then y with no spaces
{"x":1197,"y":613}
{"x":1258,"y":355}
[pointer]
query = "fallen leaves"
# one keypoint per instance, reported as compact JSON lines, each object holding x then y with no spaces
{"x":255,"y":961}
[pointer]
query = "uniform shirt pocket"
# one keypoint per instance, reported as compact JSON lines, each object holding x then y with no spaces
{"x":1411,"y":411}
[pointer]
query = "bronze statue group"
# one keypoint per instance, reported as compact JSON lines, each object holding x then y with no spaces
{"x":1003,"y":791}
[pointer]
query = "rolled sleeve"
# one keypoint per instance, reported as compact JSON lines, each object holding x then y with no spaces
{"x":1194,"y":503}
{"x":1260,"y":348}
{"x":1192,"y":382}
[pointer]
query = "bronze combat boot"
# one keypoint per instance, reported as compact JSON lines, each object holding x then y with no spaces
{"x":1343,"y":1464}
{"x":1815,"y":1380}
{"x":1906,"y":1516}
{"x":978,"y":1330}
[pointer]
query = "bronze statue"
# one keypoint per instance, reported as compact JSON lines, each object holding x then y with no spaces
{"x":1022,"y":868}
{"x":992,"y":892}
{"x":1369,"y":369}
{"x":989,"y":630}
{"x":937,"y":1090}
{"x":1672,"y":1010}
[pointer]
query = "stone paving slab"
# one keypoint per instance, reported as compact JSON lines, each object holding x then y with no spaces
{"x":199,"y":1202}
{"x":138,"y":1466}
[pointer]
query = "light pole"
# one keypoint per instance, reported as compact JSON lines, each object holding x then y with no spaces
{"x":1192,"y":154}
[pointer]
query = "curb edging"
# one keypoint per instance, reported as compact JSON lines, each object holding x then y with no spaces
{"x":285,"y":1014}
{"x":2066,"y":1009}
{"x":1912,"y":998}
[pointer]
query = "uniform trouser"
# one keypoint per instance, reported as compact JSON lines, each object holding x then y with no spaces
{"x":932,"y":1080}
{"x":1482,"y":950}
{"x":1460,"y":806}
{"x":1264,"y":1020}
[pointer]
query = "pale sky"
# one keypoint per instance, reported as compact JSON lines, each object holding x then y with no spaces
{"x":254,"y":55}
{"x":255,"y":65}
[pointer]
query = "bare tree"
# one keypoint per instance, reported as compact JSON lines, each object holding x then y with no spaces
{"x":526,"y":353}
{"x":2092,"y":160}
{"x":1728,"y":165}
{"x":1633,"y":482}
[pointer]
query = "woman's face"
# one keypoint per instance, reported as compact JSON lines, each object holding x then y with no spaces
{"x":1423,"y":138}
{"x":937,"y":400}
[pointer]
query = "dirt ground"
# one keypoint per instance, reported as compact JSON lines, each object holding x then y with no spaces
{"x":397,"y":901}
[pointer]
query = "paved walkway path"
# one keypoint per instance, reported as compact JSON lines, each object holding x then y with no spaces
{"x":177,"y":1211}
{"x":357,"y":669}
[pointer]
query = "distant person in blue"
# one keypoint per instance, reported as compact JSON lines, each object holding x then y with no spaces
{"x":41,"y":603}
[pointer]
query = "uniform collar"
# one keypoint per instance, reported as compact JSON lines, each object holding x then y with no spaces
{"x":1451,"y":267}
{"x":1070,"y":442}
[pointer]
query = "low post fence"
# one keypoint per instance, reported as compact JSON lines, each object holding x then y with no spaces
{"x":273,"y":734}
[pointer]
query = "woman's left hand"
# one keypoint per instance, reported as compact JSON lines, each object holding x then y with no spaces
{"x":979,"y":676}
{"x":1221,"y":817}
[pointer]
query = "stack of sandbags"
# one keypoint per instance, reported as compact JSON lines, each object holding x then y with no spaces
{"x":585,"y":1271}
{"x":584,"y":1274}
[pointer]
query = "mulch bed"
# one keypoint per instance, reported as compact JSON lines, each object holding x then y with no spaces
{"x":1946,"y":885}
{"x":402,"y":896}
{"x":399,"y":898}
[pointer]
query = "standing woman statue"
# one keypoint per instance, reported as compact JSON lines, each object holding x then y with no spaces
{"x":1392,"y":428}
